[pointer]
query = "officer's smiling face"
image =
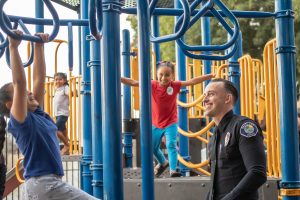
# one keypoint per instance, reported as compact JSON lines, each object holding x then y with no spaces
{"x":215,"y":100}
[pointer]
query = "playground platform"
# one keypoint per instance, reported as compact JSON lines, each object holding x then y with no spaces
{"x":189,"y":188}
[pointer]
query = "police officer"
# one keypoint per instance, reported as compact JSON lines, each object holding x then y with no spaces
{"x":236,"y":150}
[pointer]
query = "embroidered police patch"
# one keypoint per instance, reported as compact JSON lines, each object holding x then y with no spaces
{"x":248,"y":129}
{"x":227,"y":138}
{"x":170,"y":90}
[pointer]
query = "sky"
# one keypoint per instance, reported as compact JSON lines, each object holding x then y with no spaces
{"x":26,"y":8}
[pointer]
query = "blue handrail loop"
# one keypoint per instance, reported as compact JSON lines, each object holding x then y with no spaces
{"x":3,"y":41}
{"x":204,"y":9}
{"x":184,"y":23}
{"x":26,"y":31}
{"x":234,"y":33}
{"x":70,"y":46}
{"x":95,"y":6}
{"x":28,"y":37}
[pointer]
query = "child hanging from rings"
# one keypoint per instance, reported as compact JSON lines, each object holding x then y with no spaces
{"x":164,"y":113}
{"x":33,"y":129}
{"x":61,"y":109}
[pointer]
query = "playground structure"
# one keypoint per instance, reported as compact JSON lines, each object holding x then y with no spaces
{"x":266,"y":86}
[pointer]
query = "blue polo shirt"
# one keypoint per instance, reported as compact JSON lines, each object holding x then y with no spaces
{"x":37,"y":140}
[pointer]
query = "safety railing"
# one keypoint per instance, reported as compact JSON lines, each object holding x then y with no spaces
{"x":59,"y":42}
{"x":260,"y":89}
{"x":252,"y":88}
{"x":194,"y":68}
{"x":272,"y":109}
{"x":247,"y":86}
{"x":203,"y":135}
{"x":135,"y":76}
{"x":220,"y":68}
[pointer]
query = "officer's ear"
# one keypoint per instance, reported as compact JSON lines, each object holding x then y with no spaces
{"x":228,"y":98}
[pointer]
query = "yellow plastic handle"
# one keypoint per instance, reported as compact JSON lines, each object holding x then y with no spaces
{"x":17,"y":171}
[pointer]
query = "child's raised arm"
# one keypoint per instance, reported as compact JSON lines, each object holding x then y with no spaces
{"x":129,"y":81}
{"x":19,"y":103}
{"x":39,"y":69}
{"x":197,"y":80}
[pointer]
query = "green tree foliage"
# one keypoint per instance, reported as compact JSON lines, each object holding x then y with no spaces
{"x":256,"y":32}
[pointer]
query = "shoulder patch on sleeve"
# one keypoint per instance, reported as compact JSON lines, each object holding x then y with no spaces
{"x":249,"y":129}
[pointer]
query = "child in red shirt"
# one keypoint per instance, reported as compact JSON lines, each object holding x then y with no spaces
{"x":164,"y":113}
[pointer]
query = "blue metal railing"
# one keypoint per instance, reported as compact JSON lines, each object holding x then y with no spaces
{"x":4,"y":43}
{"x":231,"y":42}
{"x":95,"y":8}
{"x":70,"y":46}
{"x":87,"y":175}
{"x":26,"y":31}
{"x":126,"y":100}
{"x":6,"y":29}
{"x":40,"y":21}
{"x":184,"y":23}
{"x":286,"y":61}
{"x":204,"y":9}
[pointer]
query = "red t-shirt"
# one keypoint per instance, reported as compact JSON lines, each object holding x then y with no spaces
{"x":164,"y":106}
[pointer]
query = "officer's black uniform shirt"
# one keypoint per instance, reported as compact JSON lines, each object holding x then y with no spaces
{"x":237,"y":158}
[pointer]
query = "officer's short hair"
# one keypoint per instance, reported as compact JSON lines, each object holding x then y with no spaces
{"x":229,"y":87}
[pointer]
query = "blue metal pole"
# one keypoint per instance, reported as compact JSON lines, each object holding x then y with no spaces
{"x":182,"y":112}
{"x":86,"y":105}
{"x":155,"y":30}
{"x":79,"y":47}
{"x":127,"y":100}
{"x":70,"y":47}
{"x":39,"y":13}
{"x":80,"y":73}
{"x":206,"y":40}
{"x":145,"y":99}
{"x":48,"y":22}
{"x":111,"y":101}
{"x":286,"y":60}
{"x":234,"y":71}
{"x":97,"y":165}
